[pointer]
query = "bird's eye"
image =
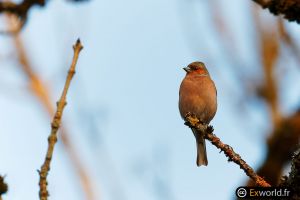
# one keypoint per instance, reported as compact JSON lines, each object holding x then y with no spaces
{"x":197,"y":67}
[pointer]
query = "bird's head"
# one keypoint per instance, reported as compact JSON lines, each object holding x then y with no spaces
{"x":196,"y":68}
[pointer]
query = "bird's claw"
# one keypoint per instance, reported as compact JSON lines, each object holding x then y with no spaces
{"x":191,"y":119}
{"x":210,"y":129}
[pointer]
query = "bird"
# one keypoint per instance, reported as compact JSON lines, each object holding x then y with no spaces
{"x":198,"y":96}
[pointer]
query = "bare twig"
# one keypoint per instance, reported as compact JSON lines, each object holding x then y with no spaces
{"x":39,"y":89}
{"x":290,"y":9}
{"x":56,"y":124}
{"x":193,"y":122}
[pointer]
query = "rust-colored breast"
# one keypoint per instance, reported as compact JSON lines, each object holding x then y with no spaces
{"x":198,"y":95}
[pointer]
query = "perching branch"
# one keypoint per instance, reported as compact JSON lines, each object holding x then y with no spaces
{"x":290,"y":9}
{"x":193,"y":122}
{"x":52,"y":139}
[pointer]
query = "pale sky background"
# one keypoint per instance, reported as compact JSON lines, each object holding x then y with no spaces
{"x":122,"y":107}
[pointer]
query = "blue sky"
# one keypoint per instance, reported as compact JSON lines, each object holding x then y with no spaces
{"x":122,"y":109}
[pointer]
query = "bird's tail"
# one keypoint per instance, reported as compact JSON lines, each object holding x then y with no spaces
{"x":201,"y":149}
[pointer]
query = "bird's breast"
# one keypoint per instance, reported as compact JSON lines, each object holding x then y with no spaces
{"x":198,"y":95}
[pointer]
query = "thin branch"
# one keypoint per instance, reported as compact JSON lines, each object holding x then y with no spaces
{"x":193,"y":122}
{"x":56,"y":124}
{"x":39,"y":89}
{"x":290,"y":9}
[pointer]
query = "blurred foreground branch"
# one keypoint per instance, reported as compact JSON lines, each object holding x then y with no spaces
{"x":42,"y":93}
{"x":284,"y":138}
{"x":281,"y":145}
{"x":269,"y":53}
{"x":20,"y":10}
{"x":288,"y":39}
{"x":56,"y":124}
{"x":290,"y":9}
{"x":294,"y":177}
{"x":193,"y":122}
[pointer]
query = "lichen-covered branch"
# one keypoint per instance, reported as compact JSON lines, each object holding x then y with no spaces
{"x":193,"y":122}
{"x":290,"y":9}
{"x":52,"y":139}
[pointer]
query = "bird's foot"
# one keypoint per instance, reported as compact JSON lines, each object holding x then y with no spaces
{"x":210,"y":129}
{"x":191,"y":119}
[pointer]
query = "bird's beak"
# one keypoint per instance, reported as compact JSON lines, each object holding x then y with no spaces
{"x":187,"y":69}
